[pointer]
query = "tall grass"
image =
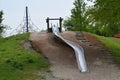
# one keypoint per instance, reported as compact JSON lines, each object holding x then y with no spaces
{"x":17,"y":63}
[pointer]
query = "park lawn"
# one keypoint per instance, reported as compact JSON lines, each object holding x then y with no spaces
{"x":112,"y":44}
{"x":18,"y":63}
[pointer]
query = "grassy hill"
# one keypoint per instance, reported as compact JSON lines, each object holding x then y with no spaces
{"x":18,"y":63}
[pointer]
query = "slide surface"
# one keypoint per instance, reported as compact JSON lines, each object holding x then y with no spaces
{"x":79,"y":52}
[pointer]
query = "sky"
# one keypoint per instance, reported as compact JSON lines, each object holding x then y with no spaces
{"x":39,"y":10}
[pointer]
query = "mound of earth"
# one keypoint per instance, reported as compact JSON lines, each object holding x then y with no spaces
{"x":100,"y":62}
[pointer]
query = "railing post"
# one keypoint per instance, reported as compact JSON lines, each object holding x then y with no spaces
{"x":27,"y":30}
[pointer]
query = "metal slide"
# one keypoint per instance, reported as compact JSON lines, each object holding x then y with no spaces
{"x":79,"y":52}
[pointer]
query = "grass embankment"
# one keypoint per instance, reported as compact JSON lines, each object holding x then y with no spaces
{"x":18,"y":63}
{"x":113,"y":45}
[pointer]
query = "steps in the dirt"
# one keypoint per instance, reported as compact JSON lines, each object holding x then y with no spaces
{"x":85,"y":41}
{"x":109,"y":61}
{"x":107,"y":57}
{"x":105,"y":54}
{"x":80,"y":36}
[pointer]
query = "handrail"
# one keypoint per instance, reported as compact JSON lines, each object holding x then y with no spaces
{"x":79,"y":52}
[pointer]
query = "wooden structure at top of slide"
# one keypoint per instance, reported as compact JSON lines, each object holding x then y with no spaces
{"x":49,"y":29}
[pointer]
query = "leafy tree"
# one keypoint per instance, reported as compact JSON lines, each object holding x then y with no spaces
{"x":68,"y":24}
{"x":77,"y":18}
{"x":102,"y":18}
{"x":107,"y":10}
{"x":107,"y":13}
{"x":1,"y":25}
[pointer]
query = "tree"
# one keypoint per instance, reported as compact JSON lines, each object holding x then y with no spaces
{"x":77,"y":18}
{"x":68,"y":24}
{"x":107,"y":12}
{"x":1,"y":25}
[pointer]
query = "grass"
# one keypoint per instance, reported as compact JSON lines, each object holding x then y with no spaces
{"x":17,"y":63}
{"x":113,"y":45}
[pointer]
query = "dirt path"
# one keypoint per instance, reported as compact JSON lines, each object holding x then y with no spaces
{"x":63,"y":62}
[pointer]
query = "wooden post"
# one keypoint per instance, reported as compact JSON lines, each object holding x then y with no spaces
{"x":47,"y":20}
{"x":60,"y":22}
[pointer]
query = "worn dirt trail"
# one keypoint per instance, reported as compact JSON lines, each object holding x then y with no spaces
{"x":63,"y":62}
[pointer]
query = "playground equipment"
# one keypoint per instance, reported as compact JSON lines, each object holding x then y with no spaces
{"x":79,"y":52}
{"x":48,"y":24}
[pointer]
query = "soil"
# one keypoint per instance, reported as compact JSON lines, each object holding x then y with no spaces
{"x":100,"y":62}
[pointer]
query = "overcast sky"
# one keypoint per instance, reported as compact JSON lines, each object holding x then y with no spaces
{"x":39,"y":10}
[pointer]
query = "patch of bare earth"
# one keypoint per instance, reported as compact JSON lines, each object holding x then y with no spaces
{"x":63,"y":62}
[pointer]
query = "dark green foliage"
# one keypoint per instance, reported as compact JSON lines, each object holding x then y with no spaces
{"x":103,"y":18}
{"x":17,"y":65}
{"x":77,"y":18}
{"x":1,"y":25}
{"x":30,"y":60}
{"x":107,"y":11}
{"x":68,"y":24}
{"x":105,"y":15}
{"x":1,"y":16}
